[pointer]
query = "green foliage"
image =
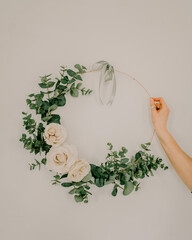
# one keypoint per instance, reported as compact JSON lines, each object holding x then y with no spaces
{"x":46,"y":102}
{"x":51,"y":96}
{"x":56,"y":179}
{"x":118,"y":170}
{"x":80,"y":189}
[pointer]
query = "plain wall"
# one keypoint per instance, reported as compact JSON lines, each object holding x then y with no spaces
{"x":148,"y":39}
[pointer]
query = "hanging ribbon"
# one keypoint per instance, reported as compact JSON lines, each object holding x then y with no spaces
{"x":107,"y":83}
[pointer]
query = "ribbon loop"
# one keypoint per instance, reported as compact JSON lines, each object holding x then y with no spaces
{"x":107,"y":83}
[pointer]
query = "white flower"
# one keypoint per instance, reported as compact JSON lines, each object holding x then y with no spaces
{"x":55,"y":134}
{"x":78,"y":170}
{"x":60,"y":159}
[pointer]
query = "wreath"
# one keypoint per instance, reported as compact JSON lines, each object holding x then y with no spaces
{"x":47,"y":137}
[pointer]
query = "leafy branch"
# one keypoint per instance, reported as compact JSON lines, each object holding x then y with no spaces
{"x":52,"y":95}
{"x":120,"y":171}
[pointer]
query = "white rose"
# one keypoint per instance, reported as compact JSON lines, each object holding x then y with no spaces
{"x":78,"y":170}
{"x":55,"y":134}
{"x":60,"y":159}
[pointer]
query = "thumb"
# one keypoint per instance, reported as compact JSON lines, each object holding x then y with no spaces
{"x":152,"y":103}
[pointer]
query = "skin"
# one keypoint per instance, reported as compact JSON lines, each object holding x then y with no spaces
{"x":181,"y":162}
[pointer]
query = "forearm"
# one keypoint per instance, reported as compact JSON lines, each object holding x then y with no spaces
{"x":178,"y":158}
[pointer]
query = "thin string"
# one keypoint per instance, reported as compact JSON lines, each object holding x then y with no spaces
{"x":135,"y":80}
{"x":138,"y":83}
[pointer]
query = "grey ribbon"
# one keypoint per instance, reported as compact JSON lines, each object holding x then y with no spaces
{"x":107,"y":83}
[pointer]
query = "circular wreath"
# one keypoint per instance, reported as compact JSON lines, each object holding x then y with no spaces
{"x":48,"y":137}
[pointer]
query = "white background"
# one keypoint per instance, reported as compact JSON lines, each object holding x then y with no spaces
{"x":148,"y":39}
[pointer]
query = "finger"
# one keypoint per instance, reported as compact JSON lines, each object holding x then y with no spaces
{"x":163,"y":104}
{"x":152,"y":103}
{"x":158,"y":104}
{"x":156,"y":98}
{"x":159,"y":99}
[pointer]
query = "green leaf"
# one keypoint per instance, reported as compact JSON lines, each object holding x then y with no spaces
{"x":78,"y":183}
{"x":61,"y":87}
{"x":52,"y":108}
{"x":72,"y":81}
{"x":137,"y":187}
{"x":61,"y":100}
{"x":87,"y":177}
{"x":43,"y":85}
{"x":78,"y":85}
{"x":71,"y":72}
{"x":78,"y":198}
{"x":83,"y":67}
{"x":148,"y":143}
{"x":65,"y":80}
{"x":80,"y":68}
{"x":127,"y":176}
{"x":74,"y":92}
{"x":124,"y":150}
{"x":144,"y":147}
{"x":137,"y":156}
{"x":128,"y":188}
{"x":124,"y":160}
{"x":111,"y":179}
{"x":55,"y":118}
{"x":110,"y":146}
{"x":43,"y":161}
{"x":43,"y":79}
{"x":50,"y":84}
{"x":72,"y":191}
{"x":115,"y":190}
{"x":78,"y":77}
{"x":47,"y":118}
{"x":165,"y":168}
{"x":64,"y":176}
{"x":28,"y":101}
{"x":99,"y":182}
{"x":57,"y":177}
{"x":67,"y":184}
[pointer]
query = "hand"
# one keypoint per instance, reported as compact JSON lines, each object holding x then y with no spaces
{"x":159,"y":113}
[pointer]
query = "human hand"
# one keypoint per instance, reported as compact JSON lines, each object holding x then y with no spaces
{"x":159,"y":113}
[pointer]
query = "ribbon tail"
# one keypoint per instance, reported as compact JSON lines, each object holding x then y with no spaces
{"x":107,"y":85}
{"x":113,"y":92}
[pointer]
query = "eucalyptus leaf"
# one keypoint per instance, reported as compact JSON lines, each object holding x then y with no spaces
{"x":67,"y":184}
{"x":115,"y":190}
{"x":71,"y":72}
{"x":50,"y":84}
{"x":43,"y":85}
{"x":78,"y":198}
{"x":78,"y":77}
{"x":74,"y":92}
{"x":128,"y":188}
{"x":87,"y":177}
{"x":52,"y":108}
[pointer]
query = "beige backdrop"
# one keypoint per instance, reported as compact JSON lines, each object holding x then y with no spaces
{"x":150,"y":40}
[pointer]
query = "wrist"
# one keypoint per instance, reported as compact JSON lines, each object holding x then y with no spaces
{"x":161,"y":131}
